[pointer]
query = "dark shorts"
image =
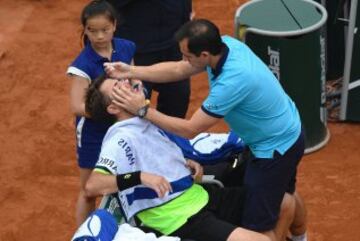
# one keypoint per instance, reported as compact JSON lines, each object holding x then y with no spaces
{"x":89,"y":136}
{"x":218,"y":219}
{"x":266,"y":181}
{"x":88,"y":154}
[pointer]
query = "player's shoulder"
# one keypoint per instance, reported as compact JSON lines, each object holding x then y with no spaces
{"x":116,"y":133}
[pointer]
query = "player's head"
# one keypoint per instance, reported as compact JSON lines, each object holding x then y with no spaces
{"x":98,"y":100}
{"x":98,"y":19}
{"x":99,"y":96}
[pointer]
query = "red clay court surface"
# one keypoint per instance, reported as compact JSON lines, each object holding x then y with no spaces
{"x":38,"y":171}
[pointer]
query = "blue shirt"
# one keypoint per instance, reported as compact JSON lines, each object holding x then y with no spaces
{"x":247,"y":94}
{"x":89,"y":65}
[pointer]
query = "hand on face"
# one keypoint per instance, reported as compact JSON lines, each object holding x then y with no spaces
{"x":129,"y":95}
{"x":117,"y":70}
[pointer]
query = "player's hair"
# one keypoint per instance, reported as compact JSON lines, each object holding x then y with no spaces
{"x":96,"y":102}
{"x":202,"y":35}
{"x":95,"y":8}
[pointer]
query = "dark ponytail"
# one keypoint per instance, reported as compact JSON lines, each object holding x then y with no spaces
{"x":94,"y":8}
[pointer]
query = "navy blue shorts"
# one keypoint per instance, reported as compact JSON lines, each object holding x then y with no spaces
{"x":266,"y":181}
{"x":88,"y":154}
{"x":89,"y":136}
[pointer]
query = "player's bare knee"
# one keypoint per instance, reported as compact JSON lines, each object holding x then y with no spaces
{"x":88,"y":191}
{"x":288,"y":205}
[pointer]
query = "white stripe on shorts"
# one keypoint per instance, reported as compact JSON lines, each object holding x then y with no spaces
{"x":79,"y":128}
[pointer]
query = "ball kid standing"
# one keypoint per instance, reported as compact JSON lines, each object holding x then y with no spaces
{"x":98,"y":19}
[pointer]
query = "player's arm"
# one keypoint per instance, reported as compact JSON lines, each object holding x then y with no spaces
{"x":158,"y":73}
{"x":101,"y":183}
{"x":77,"y":93}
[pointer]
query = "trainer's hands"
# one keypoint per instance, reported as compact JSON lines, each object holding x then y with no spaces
{"x":128,"y":98}
{"x":118,"y":70}
{"x":158,"y":183}
{"x":196,"y":169}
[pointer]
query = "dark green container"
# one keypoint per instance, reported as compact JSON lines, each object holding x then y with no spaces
{"x":288,"y":36}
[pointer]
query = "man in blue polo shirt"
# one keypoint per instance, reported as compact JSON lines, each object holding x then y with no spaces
{"x":247,"y":95}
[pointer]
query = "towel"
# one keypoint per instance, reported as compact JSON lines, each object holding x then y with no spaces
{"x":99,"y":226}
{"x":129,"y":233}
{"x":209,"y":148}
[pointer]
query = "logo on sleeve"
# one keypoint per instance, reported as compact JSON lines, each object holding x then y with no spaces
{"x":108,"y":163}
{"x":211,"y":106}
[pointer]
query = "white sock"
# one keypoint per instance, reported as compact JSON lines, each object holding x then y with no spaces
{"x":302,"y":237}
